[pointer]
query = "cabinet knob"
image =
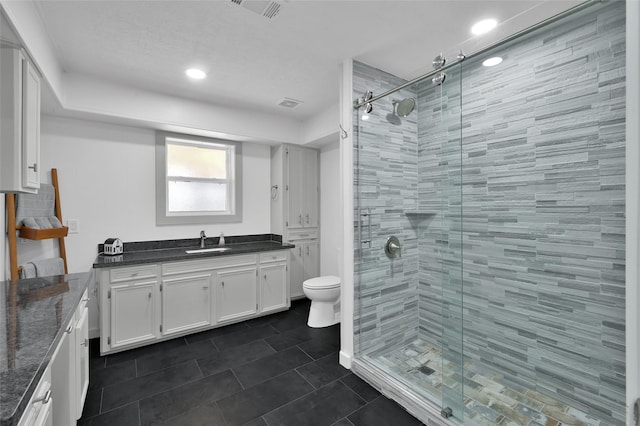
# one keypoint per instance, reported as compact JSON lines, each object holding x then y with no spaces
{"x":300,"y":219}
{"x":85,"y":343}
{"x":265,"y":276}
{"x":69,"y":330}
{"x":34,"y":167}
{"x":149,"y":295}
{"x":307,"y":218}
{"x":222,"y":283}
{"x":205,"y":288}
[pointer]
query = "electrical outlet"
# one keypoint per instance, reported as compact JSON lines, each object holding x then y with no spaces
{"x":74,"y":226}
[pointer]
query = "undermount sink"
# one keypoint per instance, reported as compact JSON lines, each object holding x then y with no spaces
{"x":208,"y":250}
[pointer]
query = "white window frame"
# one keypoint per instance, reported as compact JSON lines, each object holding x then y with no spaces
{"x":234,"y":192}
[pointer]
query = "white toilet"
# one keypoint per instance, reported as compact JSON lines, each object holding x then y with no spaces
{"x":324,"y":293}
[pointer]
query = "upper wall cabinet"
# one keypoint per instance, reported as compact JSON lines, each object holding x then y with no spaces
{"x":294,"y":188}
{"x":19,"y":122}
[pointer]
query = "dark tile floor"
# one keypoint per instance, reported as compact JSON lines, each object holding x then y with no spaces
{"x":267,"y":371}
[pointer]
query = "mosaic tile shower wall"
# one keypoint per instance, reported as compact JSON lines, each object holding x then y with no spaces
{"x":386,"y":178}
{"x":543,"y":229}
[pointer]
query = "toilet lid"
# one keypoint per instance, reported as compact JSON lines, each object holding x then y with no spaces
{"x":327,"y":281}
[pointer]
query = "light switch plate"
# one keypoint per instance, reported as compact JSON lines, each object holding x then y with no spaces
{"x":74,"y":226}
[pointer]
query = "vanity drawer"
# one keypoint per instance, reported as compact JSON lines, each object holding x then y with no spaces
{"x":274,"y":256}
{"x":208,"y":264}
{"x":117,"y":275}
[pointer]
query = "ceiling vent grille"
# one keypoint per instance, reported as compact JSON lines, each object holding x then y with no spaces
{"x":289,"y":103}
{"x":268,"y":9}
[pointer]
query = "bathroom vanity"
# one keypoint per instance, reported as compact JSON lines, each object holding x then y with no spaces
{"x":45,"y":369}
{"x":176,"y":288}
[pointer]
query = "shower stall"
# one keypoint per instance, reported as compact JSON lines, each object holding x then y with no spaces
{"x":490,"y":231}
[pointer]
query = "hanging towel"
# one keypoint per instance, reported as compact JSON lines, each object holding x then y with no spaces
{"x":28,"y":271}
{"x":49,"y":267}
{"x":41,"y":222}
{"x":41,"y":204}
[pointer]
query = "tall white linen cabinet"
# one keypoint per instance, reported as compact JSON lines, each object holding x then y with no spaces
{"x":295,"y":209}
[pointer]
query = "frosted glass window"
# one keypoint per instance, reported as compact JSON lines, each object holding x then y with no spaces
{"x":198,"y":180}
{"x":197,"y":196}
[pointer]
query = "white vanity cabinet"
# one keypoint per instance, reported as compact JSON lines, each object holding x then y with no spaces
{"x":236,"y":295}
{"x":304,"y":260}
{"x":39,"y":410}
{"x":274,"y":281}
{"x":81,"y":363}
{"x":152,"y":302}
{"x":186,"y":302}
{"x":129,"y":306}
{"x":20,"y":130}
{"x":70,"y":368}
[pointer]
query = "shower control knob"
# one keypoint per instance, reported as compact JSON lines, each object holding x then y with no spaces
{"x":392,"y":248}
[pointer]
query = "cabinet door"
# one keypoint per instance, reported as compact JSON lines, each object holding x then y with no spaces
{"x":310,"y":193}
{"x":295,"y":188}
{"x":30,"y":126}
{"x":296,"y":270}
{"x":134,"y":313}
{"x":237,"y":295}
{"x":63,"y":379}
{"x":186,"y":303}
{"x":39,"y":409}
{"x":82,"y":361}
{"x":311,"y":260}
{"x":273,"y":287}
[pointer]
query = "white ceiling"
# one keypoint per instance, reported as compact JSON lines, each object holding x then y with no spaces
{"x":253,"y":61}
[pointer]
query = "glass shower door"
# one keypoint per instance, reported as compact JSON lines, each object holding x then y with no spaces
{"x":450,"y":244}
{"x":407,"y":240}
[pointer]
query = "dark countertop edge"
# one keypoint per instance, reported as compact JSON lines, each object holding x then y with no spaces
{"x":178,"y":254}
{"x":15,"y":417}
{"x":212,"y":240}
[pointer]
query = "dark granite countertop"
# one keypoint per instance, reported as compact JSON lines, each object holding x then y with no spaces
{"x":136,"y":253}
{"x":34,"y":314}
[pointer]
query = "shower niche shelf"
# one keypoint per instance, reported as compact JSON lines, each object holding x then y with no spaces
{"x":418,"y":217}
{"x":419,"y":213}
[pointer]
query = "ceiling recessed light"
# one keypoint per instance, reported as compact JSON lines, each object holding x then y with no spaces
{"x":195,"y":73}
{"x":483,"y":26}
{"x":492,"y":61}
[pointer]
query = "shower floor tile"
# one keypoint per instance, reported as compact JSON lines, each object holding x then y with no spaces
{"x":488,"y":401}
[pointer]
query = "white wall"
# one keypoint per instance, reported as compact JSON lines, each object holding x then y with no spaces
{"x":330,"y":223}
{"x":107,"y":182}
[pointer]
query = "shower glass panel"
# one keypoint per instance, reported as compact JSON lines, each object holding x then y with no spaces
{"x":505,"y":188}
{"x":402,"y":302}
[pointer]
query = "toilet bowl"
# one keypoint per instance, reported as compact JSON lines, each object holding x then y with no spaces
{"x":324,"y":293}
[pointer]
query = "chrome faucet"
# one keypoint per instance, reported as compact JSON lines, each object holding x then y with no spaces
{"x":202,"y":239}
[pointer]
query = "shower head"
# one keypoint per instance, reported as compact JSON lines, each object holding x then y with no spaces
{"x":405,"y":106}
{"x":401,"y":109}
{"x":392,"y":117}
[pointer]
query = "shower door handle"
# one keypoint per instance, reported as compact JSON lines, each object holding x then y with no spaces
{"x":370,"y":239}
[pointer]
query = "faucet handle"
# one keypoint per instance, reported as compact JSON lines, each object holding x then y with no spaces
{"x":202,"y":234}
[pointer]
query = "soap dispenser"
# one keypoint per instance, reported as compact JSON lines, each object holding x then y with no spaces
{"x":221,"y":240}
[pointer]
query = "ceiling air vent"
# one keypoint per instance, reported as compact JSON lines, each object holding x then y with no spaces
{"x":268,"y":9}
{"x":289,"y":103}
